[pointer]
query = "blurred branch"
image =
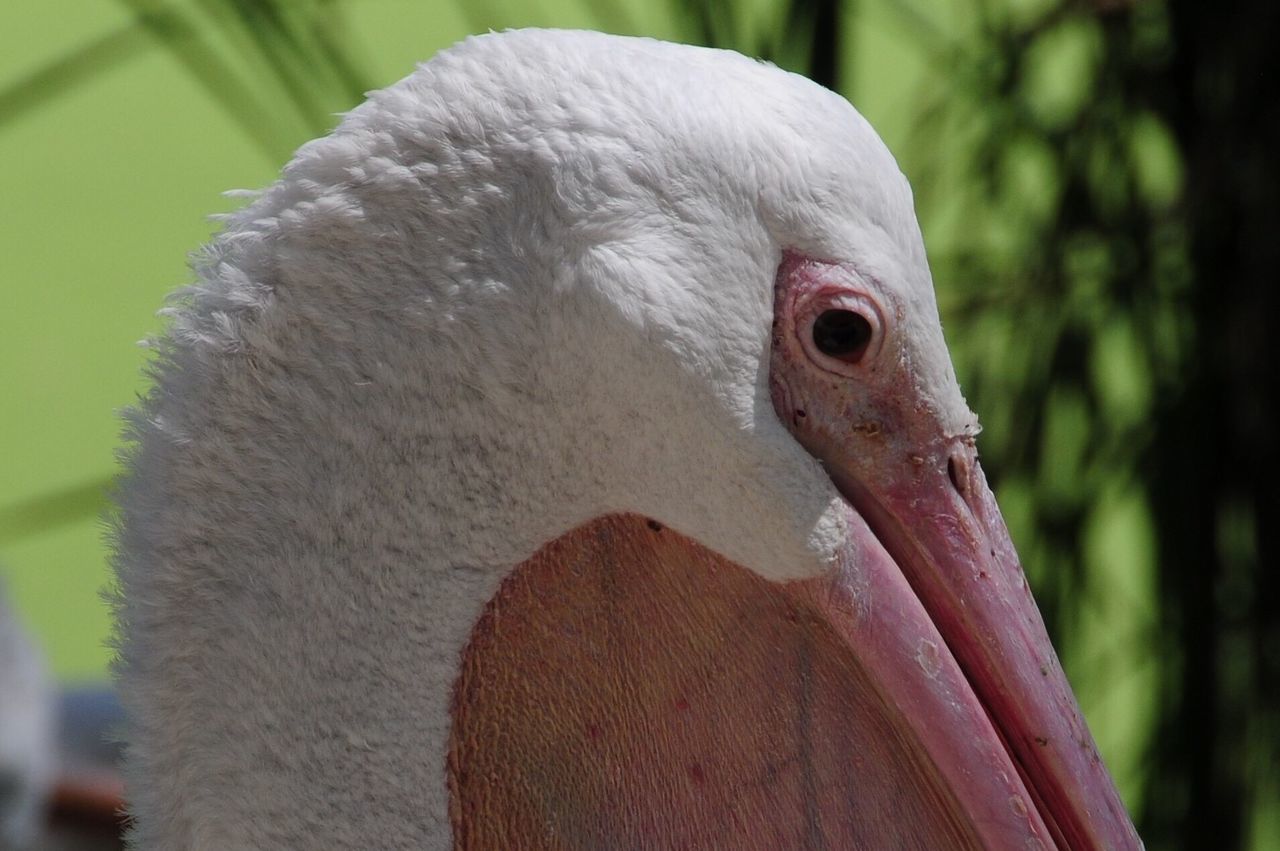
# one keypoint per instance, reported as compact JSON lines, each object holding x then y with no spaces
{"x":44,"y":85}
{"x":277,"y":44}
{"x":296,"y":41}
{"x":182,"y":39}
{"x":326,"y":28}
{"x":53,"y":510}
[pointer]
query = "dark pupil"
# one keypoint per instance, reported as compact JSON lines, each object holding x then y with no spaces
{"x":841,"y":334}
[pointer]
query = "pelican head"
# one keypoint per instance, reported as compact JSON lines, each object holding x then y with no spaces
{"x":565,"y":453}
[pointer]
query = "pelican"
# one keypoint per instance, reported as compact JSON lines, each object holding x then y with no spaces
{"x":564,"y":453}
{"x":27,"y":752}
{"x":59,"y":787}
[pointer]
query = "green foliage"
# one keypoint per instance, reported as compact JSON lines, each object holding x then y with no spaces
{"x":1050,"y":146}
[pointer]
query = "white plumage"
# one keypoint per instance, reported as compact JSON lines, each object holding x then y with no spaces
{"x":28,"y":759}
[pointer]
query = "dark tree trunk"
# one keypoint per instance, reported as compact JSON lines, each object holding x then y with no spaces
{"x":1214,"y":465}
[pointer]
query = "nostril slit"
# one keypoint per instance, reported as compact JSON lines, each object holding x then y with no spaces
{"x":953,"y":473}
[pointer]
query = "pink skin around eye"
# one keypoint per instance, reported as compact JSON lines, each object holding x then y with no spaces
{"x":828,"y":288}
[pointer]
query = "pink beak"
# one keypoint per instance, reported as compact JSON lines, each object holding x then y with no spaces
{"x":930,"y":597}
{"x":932,"y":601}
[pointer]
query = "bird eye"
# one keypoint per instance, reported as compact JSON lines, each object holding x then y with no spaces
{"x":842,"y":334}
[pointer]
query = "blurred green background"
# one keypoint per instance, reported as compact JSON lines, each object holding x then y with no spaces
{"x":1096,"y":182}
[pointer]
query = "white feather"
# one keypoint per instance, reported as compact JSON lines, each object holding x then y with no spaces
{"x":28,"y":759}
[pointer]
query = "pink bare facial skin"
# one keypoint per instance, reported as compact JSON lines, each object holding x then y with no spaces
{"x":931,"y":596}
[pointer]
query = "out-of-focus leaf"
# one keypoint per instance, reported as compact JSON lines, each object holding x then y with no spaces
{"x":55,"y":78}
{"x":178,"y":34}
{"x":53,"y":510}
